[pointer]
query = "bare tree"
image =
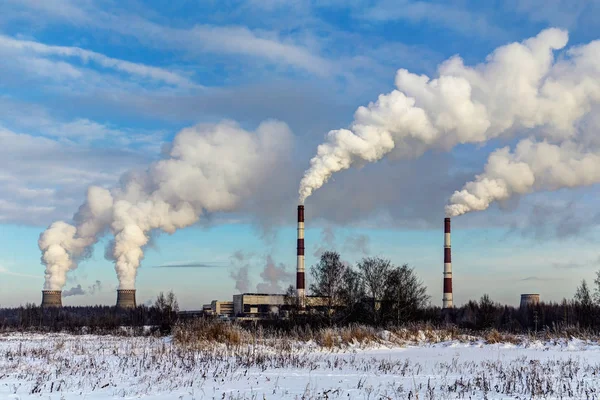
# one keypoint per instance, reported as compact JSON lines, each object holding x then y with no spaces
{"x":291,"y":300}
{"x":327,"y":279}
{"x":597,"y":288}
{"x":374,"y":273}
{"x":167,"y":306}
{"x":405,"y":294}
{"x":352,"y":293}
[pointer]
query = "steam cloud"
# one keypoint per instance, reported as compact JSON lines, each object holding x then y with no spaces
{"x":74,"y":291}
{"x":240,"y":275}
{"x":210,"y":168}
{"x":272,"y":276}
{"x":520,"y":90}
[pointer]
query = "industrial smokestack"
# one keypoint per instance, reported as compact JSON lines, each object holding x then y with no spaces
{"x":447,"y":299}
{"x":126,"y":298}
{"x":300,"y":259}
{"x":51,"y":298}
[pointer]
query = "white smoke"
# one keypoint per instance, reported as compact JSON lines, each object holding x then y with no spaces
{"x":533,"y":166}
{"x":63,"y":244}
{"x":272,"y":276}
{"x":564,"y":153}
{"x":518,"y":88}
{"x":209,"y":168}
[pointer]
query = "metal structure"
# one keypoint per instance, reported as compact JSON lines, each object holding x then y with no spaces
{"x":447,"y":299}
{"x":51,"y":298}
{"x":300,"y":288}
{"x":126,"y":298}
{"x":529,"y":299}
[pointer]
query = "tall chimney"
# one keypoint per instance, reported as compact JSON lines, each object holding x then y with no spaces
{"x":126,"y":298}
{"x":51,"y":298}
{"x":300,"y":259}
{"x":447,"y":299}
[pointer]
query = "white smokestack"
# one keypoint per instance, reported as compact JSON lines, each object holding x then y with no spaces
{"x":210,"y":168}
{"x":518,"y":88}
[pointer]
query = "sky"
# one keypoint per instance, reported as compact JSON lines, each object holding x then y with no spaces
{"x":90,"y":90}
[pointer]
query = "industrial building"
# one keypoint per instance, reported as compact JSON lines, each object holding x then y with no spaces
{"x":51,"y":298}
{"x":222,"y":308}
{"x":126,"y":298}
{"x":529,"y":300}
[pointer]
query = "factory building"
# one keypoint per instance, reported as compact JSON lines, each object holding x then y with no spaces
{"x":258,"y":304}
{"x":222,"y":308}
{"x":261,"y":305}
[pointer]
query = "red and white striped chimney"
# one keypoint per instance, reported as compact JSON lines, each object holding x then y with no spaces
{"x":447,"y":299}
{"x":300,"y":259}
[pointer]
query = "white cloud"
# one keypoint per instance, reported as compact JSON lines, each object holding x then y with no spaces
{"x":452,"y":17}
{"x":6,"y":271}
{"x":44,"y":179}
{"x":197,"y":40}
{"x":41,"y":65}
{"x":38,"y":121}
{"x":562,"y":13}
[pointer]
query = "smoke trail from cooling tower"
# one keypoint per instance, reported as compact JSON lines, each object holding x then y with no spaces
{"x":209,"y":168}
{"x":520,"y":87}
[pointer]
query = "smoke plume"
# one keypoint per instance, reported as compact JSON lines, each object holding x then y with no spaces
{"x":533,"y":166}
{"x":209,"y":168}
{"x":96,"y":287}
{"x":520,"y":90}
{"x":242,"y":281}
{"x":358,"y":243}
{"x":327,"y":242}
{"x":74,"y":291}
{"x":240,"y":275}
{"x":272,"y":276}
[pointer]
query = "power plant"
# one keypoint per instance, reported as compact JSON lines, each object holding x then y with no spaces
{"x":447,"y":297}
{"x":262,"y":305}
{"x":51,"y":298}
{"x":126,"y":298}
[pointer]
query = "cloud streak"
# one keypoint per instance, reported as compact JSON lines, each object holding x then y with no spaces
{"x":86,"y":56}
{"x":192,"y":265}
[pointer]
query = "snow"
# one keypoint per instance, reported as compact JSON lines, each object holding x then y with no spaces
{"x":60,"y":366}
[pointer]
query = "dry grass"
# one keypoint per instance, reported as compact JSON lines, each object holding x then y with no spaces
{"x":202,"y":331}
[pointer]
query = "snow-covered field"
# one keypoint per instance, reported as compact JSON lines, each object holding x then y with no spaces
{"x":69,"y":367}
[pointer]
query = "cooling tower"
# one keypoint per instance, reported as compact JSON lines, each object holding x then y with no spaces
{"x":447,"y":299}
{"x":126,"y":298}
{"x":529,"y":299}
{"x":51,"y":298}
{"x":300,"y":259}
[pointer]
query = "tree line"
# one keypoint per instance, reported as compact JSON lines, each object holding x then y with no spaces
{"x":373,"y":292}
{"x":379,"y":293}
{"x":158,"y":317}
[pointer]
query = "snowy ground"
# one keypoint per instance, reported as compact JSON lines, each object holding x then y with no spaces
{"x":104,"y":367}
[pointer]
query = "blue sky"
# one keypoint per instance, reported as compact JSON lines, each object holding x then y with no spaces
{"x":92,"y":89}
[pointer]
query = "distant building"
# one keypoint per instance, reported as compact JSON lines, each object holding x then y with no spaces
{"x":258,"y":304}
{"x":207,"y":309}
{"x":529,"y":299}
{"x":263,"y":305}
{"x":222,"y":308}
